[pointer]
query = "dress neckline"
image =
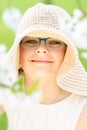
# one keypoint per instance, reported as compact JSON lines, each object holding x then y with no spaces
{"x":53,"y":105}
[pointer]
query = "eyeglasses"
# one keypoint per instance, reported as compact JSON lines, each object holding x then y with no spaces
{"x":34,"y":43}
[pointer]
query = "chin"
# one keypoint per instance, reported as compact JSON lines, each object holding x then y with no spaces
{"x":41,"y":74}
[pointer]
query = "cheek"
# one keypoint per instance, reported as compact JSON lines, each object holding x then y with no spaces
{"x":59,"y":57}
{"x":24,"y":56}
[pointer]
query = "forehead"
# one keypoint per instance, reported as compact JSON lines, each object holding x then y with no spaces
{"x":44,"y":34}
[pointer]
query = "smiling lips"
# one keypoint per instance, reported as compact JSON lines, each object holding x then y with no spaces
{"x":41,"y":61}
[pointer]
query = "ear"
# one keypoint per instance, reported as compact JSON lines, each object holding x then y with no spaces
{"x":20,"y":71}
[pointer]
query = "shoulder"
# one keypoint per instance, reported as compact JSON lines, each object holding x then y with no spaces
{"x":82,"y":122}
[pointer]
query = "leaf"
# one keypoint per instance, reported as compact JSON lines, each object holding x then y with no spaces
{"x":3,"y":121}
{"x":33,"y":87}
{"x":18,"y":85}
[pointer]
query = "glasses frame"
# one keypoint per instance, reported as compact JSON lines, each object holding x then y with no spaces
{"x":39,"y":42}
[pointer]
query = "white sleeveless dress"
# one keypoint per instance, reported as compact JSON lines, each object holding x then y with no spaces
{"x":25,"y":114}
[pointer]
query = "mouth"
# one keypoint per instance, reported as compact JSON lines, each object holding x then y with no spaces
{"x":42,"y":61}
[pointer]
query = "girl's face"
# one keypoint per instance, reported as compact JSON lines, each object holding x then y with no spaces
{"x":41,"y":61}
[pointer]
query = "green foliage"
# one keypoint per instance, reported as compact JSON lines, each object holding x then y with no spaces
{"x":70,"y":5}
{"x":3,"y":121}
{"x":33,"y":87}
{"x":6,"y":35}
{"x":18,"y":86}
{"x":83,"y":60}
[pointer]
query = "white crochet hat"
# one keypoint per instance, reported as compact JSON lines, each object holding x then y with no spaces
{"x":52,"y":21}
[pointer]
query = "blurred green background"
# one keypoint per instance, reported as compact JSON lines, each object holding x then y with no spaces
{"x":7,"y":35}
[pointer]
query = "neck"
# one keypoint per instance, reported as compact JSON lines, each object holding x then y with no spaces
{"x":51,"y":92}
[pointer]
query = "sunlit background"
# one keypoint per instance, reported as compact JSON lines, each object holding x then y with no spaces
{"x":12,"y":10}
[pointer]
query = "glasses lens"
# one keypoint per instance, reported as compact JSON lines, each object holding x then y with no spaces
{"x":29,"y":42}
{"x":55,"y":44}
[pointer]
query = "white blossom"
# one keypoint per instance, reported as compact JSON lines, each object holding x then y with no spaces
{"x":78,"y":29}
{"x":80,"y":34}
{"x":3,"y":48}
{"x":7,"y":74}
{"x":11,"y":17}
{"x":77,"y":13}
{"x":84,"y":55}
{"x":36,"y":96}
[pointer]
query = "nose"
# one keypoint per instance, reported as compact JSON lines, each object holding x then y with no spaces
{"x":42,"y":48}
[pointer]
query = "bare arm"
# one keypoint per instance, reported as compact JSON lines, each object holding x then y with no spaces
{"x":1,"y":110}
{"x":82,"y":123}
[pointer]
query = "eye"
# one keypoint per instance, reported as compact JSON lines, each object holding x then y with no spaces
{"x":55,"y":43}
{"x":31,"y":41}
